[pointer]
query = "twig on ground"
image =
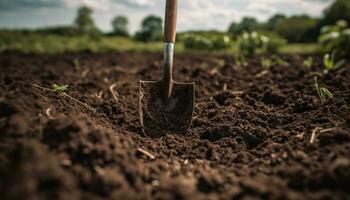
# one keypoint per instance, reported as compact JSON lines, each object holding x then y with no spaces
{"x":65,"y":95}
{"x":43,"y":88}
{"x":261,"y":74}
{"x":113,"y":92}
{"x":99,"y":170}
{"x":327,"y":130}
{"x":148,"y":154}
{"x":49,"y":115}
{"x":79,"y":102}
{"x":214,"y":71}
{"x":225,"y":87}
{"x":85,"y":72}
{"x":314,"y":135}
{"x":237,"y":93}
{"x":300,"y":136}
{"x":98,"y":95}
{"x":317,"y":131}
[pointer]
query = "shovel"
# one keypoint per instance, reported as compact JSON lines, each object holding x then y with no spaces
{"x":166,"y":106}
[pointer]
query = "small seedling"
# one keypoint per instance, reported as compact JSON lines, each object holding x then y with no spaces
{"x":279,"y":61}
{"x":330,"y":63}
{"x":60,"y":88}
{"x":323,"y":93}
{"x":240,"y":61}
{"x":308,"y":63}
{"x":76,"y":63}
{"x":273,"y":61}
{"x":266,"y":62}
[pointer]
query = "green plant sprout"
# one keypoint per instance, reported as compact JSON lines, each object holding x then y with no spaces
{"x":266,"y":62}
{"x":330,"y":63}
{"x":308,"y":63}
{"x":240,"y":61}
{"x":76,"y":63}
{"x":323,"y":93}
{"x":60,"y":88}
{"x":279,"y":61}
{"x":270,"y":62}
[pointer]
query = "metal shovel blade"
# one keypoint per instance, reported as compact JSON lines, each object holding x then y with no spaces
{"x":159,"y":115}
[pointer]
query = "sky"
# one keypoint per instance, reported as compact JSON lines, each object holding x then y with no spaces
{"x":192,"y":14}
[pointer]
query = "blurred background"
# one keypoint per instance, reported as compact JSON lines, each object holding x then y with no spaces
{"x":57,"y":26}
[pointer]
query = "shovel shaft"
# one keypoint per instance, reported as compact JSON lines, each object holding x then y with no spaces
{"x":170,"y":21}
{"x":169,"y":40}
{"x":168,"y":68}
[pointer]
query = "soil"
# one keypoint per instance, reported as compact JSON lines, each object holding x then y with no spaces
{"x":249,"y":139}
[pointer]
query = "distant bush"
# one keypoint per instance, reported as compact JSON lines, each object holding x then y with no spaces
{"x":248,"y":24}
{"x":297,"y":28}
{"x":336,"y":39}
{"x":339,"y":10}
{"x":59,"y":30}
{"x":206,"y":41}
{"x":274,"y":41}
{"x":254,"y":42}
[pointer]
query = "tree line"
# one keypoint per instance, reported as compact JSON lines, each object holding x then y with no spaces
{"x":301,"y":28}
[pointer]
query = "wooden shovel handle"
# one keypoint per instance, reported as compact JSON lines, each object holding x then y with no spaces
{"x":170,"y":21}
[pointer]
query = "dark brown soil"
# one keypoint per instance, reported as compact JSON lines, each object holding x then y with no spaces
{"x":250,"y":136}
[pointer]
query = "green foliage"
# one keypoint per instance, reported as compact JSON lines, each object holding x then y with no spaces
{"x":336,"y":38}
{"x":274,"y":20}
{"x":339,"y":10}
{"x":300,"y":48}
{"x":206,"y":41}
{"x":120,"y":26}
{"x":308,"y":63}
{"x":323,"y":93}
{"x":297,"y":28}
{"x":151,"y":29}
{"x":248,"y":24}
{"x":273,"y":61}
{"x":275,"y":41}
{"x":240,"y":61}
{"x":68,"y":31}
{"x":252,"y":43}
{"x":31,"y":42}
{"x":61,"y":89}
{"x":330,"y":62}
{"x":266,"y":62}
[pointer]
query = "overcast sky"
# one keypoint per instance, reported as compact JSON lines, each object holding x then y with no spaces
{"x":193,"y":14}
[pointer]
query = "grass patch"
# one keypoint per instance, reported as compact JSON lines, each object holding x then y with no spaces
{"x":300,"y":48}
{"x":52,"y":44}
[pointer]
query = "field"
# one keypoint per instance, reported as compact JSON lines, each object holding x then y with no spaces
{"x":53,"y":44}
{"x":257,"y":133}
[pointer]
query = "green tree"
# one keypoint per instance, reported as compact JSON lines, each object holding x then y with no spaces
{"x":248,"y":24}
{"x":339,"y":10}
{"x":297,"y":28}
{"x":85,"y":24}
{"x":84,"y":21}
{"x":151,"y":29}
{"x":274,"y":20}
{"x":120,"y":26}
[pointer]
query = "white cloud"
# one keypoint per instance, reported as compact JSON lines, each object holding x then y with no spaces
{"x":95,"y":4}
